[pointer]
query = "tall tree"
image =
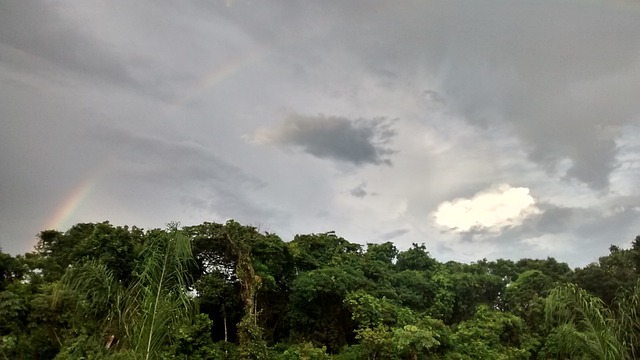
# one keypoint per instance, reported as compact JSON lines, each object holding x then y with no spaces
{"x":584,"y":326}
{"x":142,"y":314}
{"x":415,"y":258}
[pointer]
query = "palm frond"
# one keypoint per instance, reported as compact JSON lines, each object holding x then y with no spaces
{"x":95,"y":286}
{"x":628,"y":322}
{"x":155,"y":303}
{"x":585,"y":324}
{"x":158,"y":299}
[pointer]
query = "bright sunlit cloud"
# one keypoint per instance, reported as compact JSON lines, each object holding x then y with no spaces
{"x":491,"y":209}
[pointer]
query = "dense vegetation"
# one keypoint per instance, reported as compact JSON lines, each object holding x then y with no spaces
{"x":227,"y":291}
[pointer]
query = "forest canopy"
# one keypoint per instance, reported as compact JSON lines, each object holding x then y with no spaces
{"x":229,"y":291}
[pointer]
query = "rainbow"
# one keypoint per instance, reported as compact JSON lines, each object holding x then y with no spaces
{"x":226,"y":70}
{"x":68,"y":207}
{"x":219,"y":74}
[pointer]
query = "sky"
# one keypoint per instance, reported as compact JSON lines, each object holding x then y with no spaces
{"x":483,"y":129}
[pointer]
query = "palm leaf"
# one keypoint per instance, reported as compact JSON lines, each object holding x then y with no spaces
{"x":153,"y":305}
{"x":584,"y":324}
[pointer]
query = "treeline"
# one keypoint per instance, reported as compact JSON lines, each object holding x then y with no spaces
{"x":228,"y":291}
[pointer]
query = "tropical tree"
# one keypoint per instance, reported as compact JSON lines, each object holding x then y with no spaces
{"x":491,"y":334}
{"x":10,"y":269}
{"x":628,"y":319}
{"x":226,"y":250}
{"x":138,"y":317}
{"x":584,"y":327}
{"x":415,"y":258}
{"x":525,"y":297}
{"x":317,"y":309}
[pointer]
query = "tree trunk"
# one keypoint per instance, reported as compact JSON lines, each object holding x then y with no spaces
{"x":225,"y":327}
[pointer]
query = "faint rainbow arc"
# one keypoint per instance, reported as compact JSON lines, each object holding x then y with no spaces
{"x":72,"y":202}
{"x":218,"y":75}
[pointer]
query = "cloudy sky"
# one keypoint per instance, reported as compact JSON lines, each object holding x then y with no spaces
{"x":494,"y":128}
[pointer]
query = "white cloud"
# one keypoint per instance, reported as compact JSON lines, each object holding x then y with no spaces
{"x":490,"y":210}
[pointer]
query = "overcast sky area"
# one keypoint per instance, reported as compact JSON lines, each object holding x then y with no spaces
{"x":484,"y":129}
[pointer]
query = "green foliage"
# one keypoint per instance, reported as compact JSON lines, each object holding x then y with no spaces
{"x":141,"y":315}
{"x":585,"y":327}
{"x":415,"y":258}
{"x":273,"y":263}
{"x":384,"y":253}
{"x":55,"y":250}
{"x":227,"y":291}
{"x":314,"y":251}
{"x":250,"y":335}
{"x":549,"y":266}
{"x":415,"y":289}
{"x":412,"y":341}
{"x":628,"y":318}
{"x":377,"y":265}
{"x":377,"y":342}
{"x":609,"y":274}
{"x":193,"y":341}
{"x":115,"y":247}
{"x":388,"y":331}
{"x":304,"y":351}
{"x":29,"y":326}
{"x":219,"y":298}
{"x":368,"y":311}
{"x":316,"y":293}
{"x":473,"y":289}
{"x":525,"y":297}
{"x":12,"y":310}
{"x":84,"y":347}
{"x":492,"y":334}
{"x":10,"y":270}
{"x":443,"y":303}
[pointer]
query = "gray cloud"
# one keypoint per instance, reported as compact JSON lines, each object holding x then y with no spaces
{"x":435,"y":99}
{"x":588,"y":224}
{"x":393,"y":234}
{"x":60,"y":41}
{"x":203,"y":179}
{"x":358,"y":142}
{"x":556,"y":219}
{"x":560,"y":76}
{"x":173,"y":158}
{"x":541,"y":95}
{"x":40,"y":30}
{"x":557,"y":91}
{"x":359,"y":191}
{"x":571,"y":233}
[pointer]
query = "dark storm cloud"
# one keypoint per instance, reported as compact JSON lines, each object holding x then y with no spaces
{"x":393,"y":234}
{"x":359,"y":191}
{"x":477,"y":231}
{"x":357,"y":141}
